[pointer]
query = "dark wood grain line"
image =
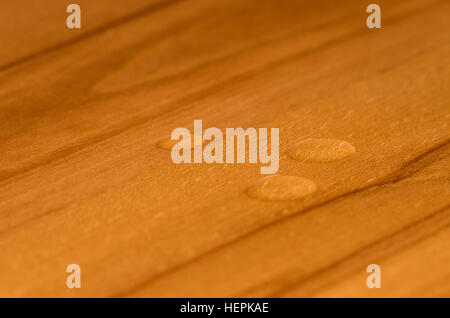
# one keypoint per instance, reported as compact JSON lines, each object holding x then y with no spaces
{"x":88,"y":34}
{"x":438,"y":215}
{"x":405,"y":171}
{"x":259,"y":45}
{"x":270,"y":42}
{"x":178,"y":105}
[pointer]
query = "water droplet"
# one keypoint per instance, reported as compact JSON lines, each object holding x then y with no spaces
{"x":320,"y":150}
{"x":281,"y":188}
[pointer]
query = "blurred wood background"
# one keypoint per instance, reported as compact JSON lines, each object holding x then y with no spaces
{"x":82,"y":179}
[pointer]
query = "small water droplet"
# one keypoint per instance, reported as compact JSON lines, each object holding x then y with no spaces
{"x":281,"y":188}
{"x":320,"y":150}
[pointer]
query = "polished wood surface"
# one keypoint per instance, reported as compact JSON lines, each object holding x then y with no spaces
{"x":83,"y":181}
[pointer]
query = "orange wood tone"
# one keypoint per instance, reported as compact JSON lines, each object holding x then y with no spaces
{"x":82,"y":180}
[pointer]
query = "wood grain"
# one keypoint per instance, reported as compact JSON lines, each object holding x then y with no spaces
{"x":82,"y":179}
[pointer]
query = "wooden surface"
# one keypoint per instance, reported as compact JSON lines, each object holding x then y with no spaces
{"x":82,"y":179}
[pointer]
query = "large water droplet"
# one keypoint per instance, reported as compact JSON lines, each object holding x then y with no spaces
{"x":320,"y":150}
{"x":281,"y":188}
